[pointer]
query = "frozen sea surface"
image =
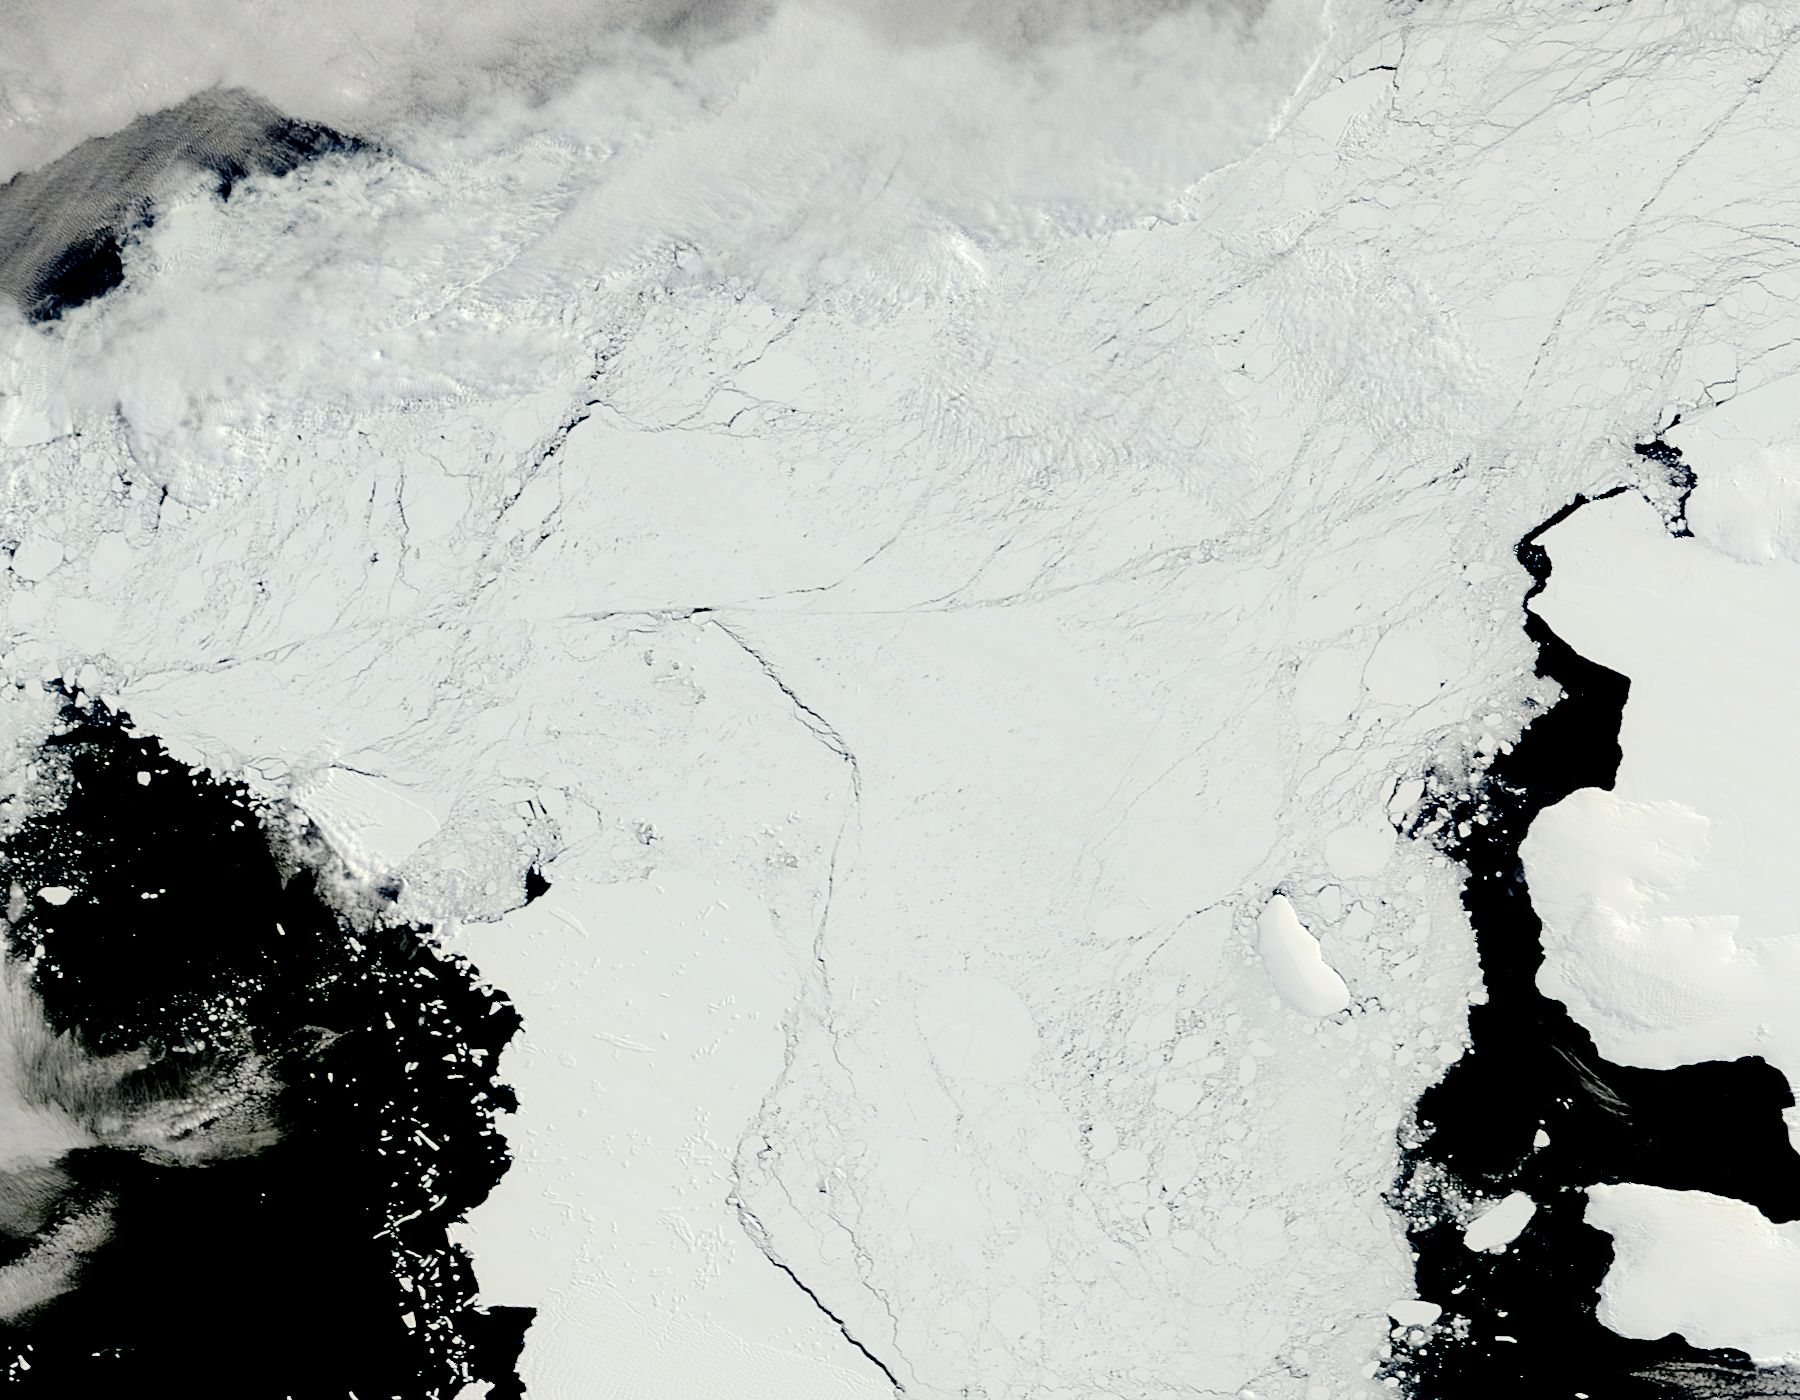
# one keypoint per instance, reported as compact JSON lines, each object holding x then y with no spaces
{"x":908,"y":535}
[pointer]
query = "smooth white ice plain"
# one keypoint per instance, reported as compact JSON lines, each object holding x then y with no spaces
{"x":1667,"y":902}
{"x":1711,"y":1268}
{"x":1295,"y":962}
{"x":916,"y":537}
{"x":374,"y":825}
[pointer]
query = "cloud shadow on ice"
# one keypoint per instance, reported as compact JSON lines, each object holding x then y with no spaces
{"x":64,"y":226}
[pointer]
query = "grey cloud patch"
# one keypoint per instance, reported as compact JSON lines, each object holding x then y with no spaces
{"x":382,"y":68}
{"x":1015,"y":26}
{"x":56,"y":1097}
{"x":63,"y":227}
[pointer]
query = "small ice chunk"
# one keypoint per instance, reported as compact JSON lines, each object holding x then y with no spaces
{"x":144,"y":777}
{"x":1542,"y":1140}
{"x":1295,"y":963}
{"x":1500,"y":1224}
{"x":37,"y":558}
{"x":56,"y":894}
{"x":1414,"y":1312}
{"x":1406,"y":796}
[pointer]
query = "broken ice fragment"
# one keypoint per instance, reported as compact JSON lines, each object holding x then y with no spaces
{"x":1500,"y":1224}
{"x":1295,"y":963}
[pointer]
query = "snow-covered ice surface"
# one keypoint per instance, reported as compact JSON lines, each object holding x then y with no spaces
{"x":942,"y":548}
{"x":1500,"y":1224}
{"x":1711,"y":1268}
{"x":1669,"y":930}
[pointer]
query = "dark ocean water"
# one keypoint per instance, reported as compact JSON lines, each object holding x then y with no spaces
{"x":318,"y":1265}
{"x":1523,"y":1323}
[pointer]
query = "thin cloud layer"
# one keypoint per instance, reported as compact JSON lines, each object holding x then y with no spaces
{"x":381,"y":68}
